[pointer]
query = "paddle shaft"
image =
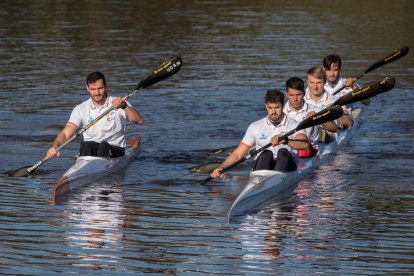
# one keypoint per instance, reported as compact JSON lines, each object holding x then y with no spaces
{"x":238,"y":162}
{"x":397,"y":54}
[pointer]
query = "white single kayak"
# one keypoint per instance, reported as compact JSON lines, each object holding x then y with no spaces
{"x":88,"y":169}
{"x":266,"y":184}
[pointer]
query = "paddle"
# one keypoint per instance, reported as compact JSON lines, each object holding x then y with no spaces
{"x":367,"y":91}
{"x":397,"y":54}
{"x":160,"y":73}
{"x":323,"y":116}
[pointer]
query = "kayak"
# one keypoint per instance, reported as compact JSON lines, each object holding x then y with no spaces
{"x":266,"y":184}
{"x":88,"y":169}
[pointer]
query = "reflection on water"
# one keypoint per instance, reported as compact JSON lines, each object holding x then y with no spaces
{"x":352,"y":216}
{"x":275,"y":222}
{"x":96,"y":208}
{"x":95,"y":218}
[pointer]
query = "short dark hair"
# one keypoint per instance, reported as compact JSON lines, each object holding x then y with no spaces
{"x":295,"y":83}
{"x":275,"y":96}
{"x":95,"y":76}
{"x":329,"y":59}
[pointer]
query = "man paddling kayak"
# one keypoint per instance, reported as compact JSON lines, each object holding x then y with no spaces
{"x":297,"y":109}
{"x":281,"y":156}
{"x":318,"y":96}
{"x":335,"y":83}
{"x":106,"y":138}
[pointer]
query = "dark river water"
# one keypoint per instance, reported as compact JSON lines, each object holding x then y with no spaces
{"x":352,"y":216}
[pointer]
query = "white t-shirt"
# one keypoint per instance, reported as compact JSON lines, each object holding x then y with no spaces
{"x":260,"y":133}
{"x":326,"y":100}
{"x":300,"y":115}
{"x":110,"y":128}
{"x":322,"y":103}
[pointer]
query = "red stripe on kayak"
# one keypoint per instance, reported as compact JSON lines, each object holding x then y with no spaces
{"x":62,"y":186}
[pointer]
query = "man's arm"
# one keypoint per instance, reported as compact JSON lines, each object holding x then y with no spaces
{"x":131,"y":114}
{"x":67,"y":132}
{"x":241,"y":151}
{"x":293,"y":144}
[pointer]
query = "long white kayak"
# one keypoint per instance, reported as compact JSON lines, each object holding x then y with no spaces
{"x":266,"y":184}
{"x":88,"y":169}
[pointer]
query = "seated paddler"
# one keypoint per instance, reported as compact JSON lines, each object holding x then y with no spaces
{"x":106,"y":137}
{"x":282,"y":155}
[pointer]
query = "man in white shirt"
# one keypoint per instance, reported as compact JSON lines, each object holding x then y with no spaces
{"x":297,"y":109}
{"x":332,"y":65}
{"x":317,"y":95}
{"x":280,"y":157}
{"x":106,"y":138}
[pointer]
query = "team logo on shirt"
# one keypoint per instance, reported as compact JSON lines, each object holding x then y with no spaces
{"x":262,"y":136}
{"x":110,"y":116}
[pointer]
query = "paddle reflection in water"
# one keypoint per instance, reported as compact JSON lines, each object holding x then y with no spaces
{"x":95,"y":216}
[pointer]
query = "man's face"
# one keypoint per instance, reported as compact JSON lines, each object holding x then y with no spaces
{"x":295,"y":98}
{"x":274,"y":111}
{"x":97,"y":91}
{"x":315,"y":86}
{"x":332,"y":73}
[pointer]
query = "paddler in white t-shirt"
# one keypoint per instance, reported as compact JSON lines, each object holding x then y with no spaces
{"x":332,"y":65}
{"x":297,"y":109}
{"x":317,"y":95}
{"x":106,"y":138}
{"x":282,"y":156}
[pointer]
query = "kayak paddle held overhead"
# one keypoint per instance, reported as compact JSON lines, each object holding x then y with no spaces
{"x":160,"y":73}
{"x":323,"y":116}
{"x":397,"y":54}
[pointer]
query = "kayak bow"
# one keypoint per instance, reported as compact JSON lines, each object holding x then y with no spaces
{"x":88,"y":169}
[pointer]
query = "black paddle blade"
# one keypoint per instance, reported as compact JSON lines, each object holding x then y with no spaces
{"x":328,"y":114}
{"x":397,"y":54}
{"x":205,"y":168}
{"x":386,"y":84}
{"x":363,"y":93}
{"x":367,"y":91}
{"x":21,"y":172}
{"x":163,"y":71}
